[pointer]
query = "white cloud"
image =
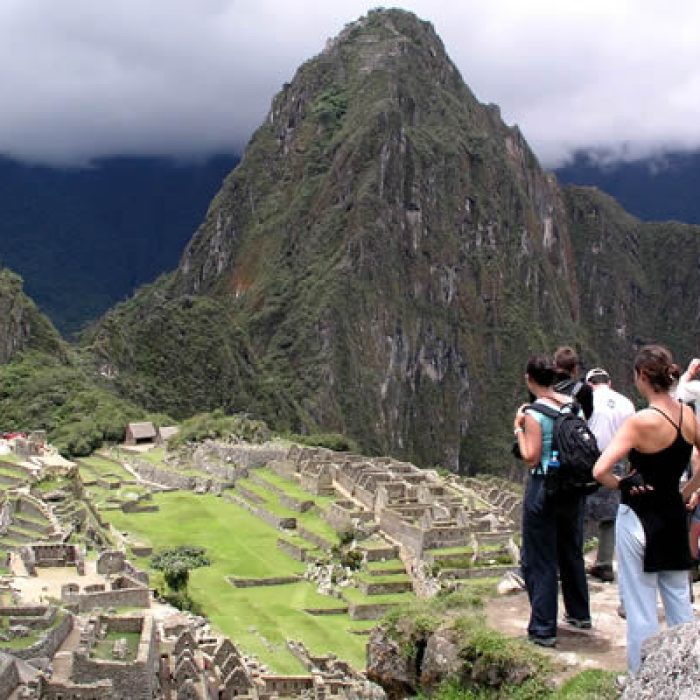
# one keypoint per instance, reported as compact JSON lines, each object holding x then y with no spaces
{"x":82,"y":78}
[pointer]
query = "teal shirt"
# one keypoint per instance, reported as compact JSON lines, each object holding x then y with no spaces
{"x":547,"y":427}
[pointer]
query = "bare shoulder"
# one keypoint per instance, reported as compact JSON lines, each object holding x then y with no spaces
{"x":645,"y":419}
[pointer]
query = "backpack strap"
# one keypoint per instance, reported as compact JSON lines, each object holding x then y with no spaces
{"x":545,"y":410}
{"x":570,"y":407}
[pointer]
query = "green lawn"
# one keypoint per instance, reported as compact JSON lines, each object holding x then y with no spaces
{"x":239,"y":544}
{"x":103,"y":648}
{"x":311,"y":520}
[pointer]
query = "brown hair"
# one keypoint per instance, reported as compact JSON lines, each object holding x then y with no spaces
{"x":656,"y":364}
{"x":566,"y":359}
{"x":541,"y":370}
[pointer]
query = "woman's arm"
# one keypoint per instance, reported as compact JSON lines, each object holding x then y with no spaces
{"x":529,"y":436}
{"x":621,"y":444}
{"x":689,"y":490}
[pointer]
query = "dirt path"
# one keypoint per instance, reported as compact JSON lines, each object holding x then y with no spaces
{"x":602,"y":647}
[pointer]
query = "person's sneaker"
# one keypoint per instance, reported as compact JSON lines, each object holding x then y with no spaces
{"x":548,"y":642}
{"x":578,"y":624}
{"x":603,"y":573}
{"x":517,"y":576}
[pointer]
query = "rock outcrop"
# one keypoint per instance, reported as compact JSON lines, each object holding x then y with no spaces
{"x":22,"y":326}
{"x":669,"y":666}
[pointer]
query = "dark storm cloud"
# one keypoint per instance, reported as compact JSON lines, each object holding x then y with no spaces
{"x":82,"y":78}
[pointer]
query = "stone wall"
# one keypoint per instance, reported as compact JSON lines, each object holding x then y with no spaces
{"x":135,"y":573}
{"x":367,"y":611}
{"x":5,"y":515}
{"x":436,"y":538}
{"x":250,"y":456}
{"x":342,"y":514}
{"x":319,"y":541}
{"x":293,"y":550}
{"x":62,"y":690}
{"x":9,"y":676}
{"x":150,"y":472}
{"x":264,"y":514}
{"x":249,"y":495}
{"x":110,"y":562}
{"x":48,"y":645}
{"x":296,"y":504}
{"x":34,"y":622}
{"x":28,"y":505}
{"x":408,"y":535}
{"x":283,"y":467}
{"x":284,"y":686}
{"x":253,"y":582}
{"x":125,"y":597}
{"x":142,"y":505}
{"x":371,"y":588}
{"x":380,"y":553}
{"x":131,"y":680}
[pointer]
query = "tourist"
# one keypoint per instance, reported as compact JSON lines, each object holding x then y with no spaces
{"x":689,"y":391}
{"x":552,"y":531}
{"x":567,"y":381}
{"x":610,"y":410}
{"x":651,"y":530}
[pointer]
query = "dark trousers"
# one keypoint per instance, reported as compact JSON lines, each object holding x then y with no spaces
{"x":552,"y":542}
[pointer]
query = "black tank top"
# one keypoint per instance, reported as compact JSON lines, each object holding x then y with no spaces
{"x":662,"y":511}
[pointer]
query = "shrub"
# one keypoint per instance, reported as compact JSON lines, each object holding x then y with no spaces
{"x":217,"y":424}
{"x":331,"y":441}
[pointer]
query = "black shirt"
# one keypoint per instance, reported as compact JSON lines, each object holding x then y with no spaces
{"x":578,"y":390}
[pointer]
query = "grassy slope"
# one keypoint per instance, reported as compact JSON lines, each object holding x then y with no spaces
{"x":259,"y":619}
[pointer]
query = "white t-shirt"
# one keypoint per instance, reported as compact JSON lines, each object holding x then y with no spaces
{"x":689,"y":390}
{"x":610,"y":410}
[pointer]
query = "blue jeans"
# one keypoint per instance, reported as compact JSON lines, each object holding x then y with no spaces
{"x":552,"y":542}
{"x":638,"y":588}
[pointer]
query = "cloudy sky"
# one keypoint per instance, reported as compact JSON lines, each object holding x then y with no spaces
{"x":83,"y":78}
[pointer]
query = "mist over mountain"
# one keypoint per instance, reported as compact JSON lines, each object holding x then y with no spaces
{"x":382,"y":261}
{"x":664,"y":188}
{"x":85,"y":238}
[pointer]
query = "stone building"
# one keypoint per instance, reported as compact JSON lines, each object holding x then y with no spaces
{"x":140,"y":433}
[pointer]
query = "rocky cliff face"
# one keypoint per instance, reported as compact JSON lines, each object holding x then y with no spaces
{"x":381,"y":263}
{"x":22,"y":326}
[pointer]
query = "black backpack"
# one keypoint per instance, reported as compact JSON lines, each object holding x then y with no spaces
{"x":578,"y":452}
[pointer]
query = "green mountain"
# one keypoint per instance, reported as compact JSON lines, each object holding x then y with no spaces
{"x":22,"y":325}
{"x":384,"y":258}
{"x":47,"y":384}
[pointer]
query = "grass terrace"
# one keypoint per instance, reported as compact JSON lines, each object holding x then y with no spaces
{"x":353,"y":595}
{"x":311,"y":520}
{"x":388,"y":565}
{"x":51,"y":484}
{"x":32,"y":638}
{"x":292,"y":488}
{"x":261,"y":618}
{"x":103,"y":647}
{"x":99,"y":465}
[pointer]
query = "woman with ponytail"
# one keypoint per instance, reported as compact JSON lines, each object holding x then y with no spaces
{"x":651,"y":527}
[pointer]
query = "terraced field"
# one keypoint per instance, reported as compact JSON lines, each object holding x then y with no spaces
{"x":241,"y":545}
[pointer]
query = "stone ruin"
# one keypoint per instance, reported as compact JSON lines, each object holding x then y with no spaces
{"x":126,"y":587}
{"x":414,"y":508}
{"x":52,"y":555}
